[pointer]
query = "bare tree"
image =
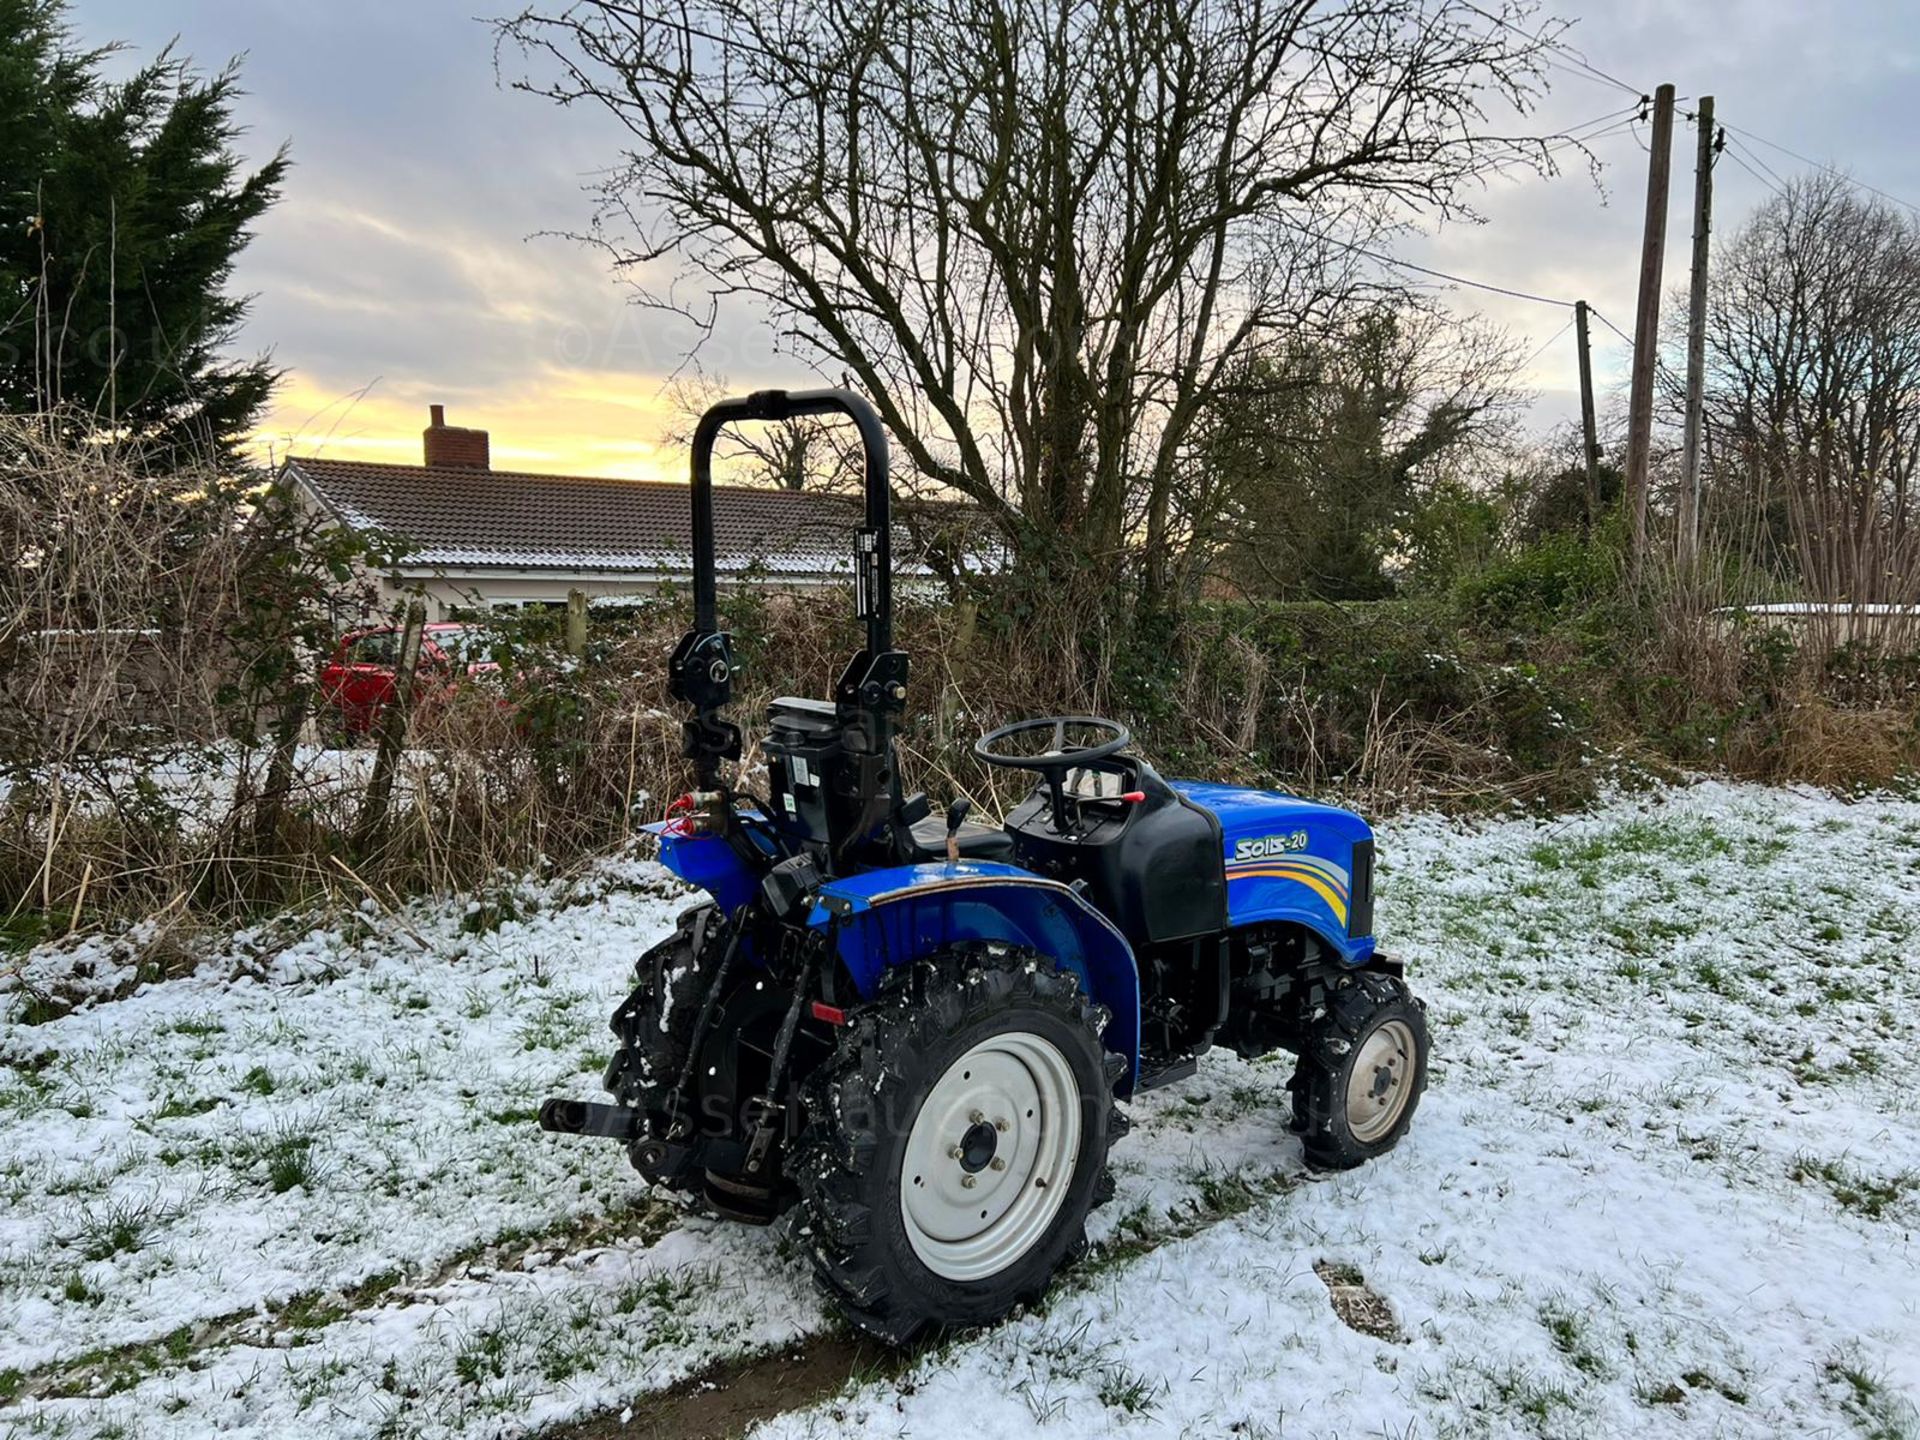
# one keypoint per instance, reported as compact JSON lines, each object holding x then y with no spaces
{"x":1039,"y":235}
{"x":811,"y":453}
{"x":1813,"y":385}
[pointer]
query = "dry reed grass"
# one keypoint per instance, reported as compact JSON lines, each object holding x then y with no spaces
{"x":182,"y":800}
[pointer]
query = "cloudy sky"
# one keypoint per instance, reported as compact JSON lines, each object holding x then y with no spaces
{"x":407,"y":262}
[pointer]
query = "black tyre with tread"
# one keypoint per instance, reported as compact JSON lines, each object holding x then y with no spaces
{"x":655,"y":1023}
{"x":861,"y":1106}
{"x":1336,"y":1040}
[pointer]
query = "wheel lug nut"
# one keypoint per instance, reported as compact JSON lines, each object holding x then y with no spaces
{"x":998,"y":1163}
{"x":968,"y":1182}
{"x":954,"y":1152}
{"x":975,"y":1117}
{"x":1003,"y":1124}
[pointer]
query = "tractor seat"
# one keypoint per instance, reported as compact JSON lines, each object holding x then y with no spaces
{"x":977,"y":842}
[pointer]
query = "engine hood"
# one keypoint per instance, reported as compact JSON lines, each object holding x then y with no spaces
{"x":1293,"y":859}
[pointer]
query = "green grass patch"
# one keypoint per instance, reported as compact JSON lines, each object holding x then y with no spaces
{"x":118,"y":1228}
{"x":1566,"y":1328}
{"x":555,"y":1023}
{"x":1523,"y":1394}
{"x":312,"y":1311}
{"x":181,"y":1107}
{"x":1877,"y":1412}
{"x":35,"y":1008}
{"x":285,"y":1158}
{"x":1707,"y":1380}
{"x":1686,"y":841}
{"x":484,"y":916}
{"x":1127,"y":1391}
{"x":1872,"y":1196}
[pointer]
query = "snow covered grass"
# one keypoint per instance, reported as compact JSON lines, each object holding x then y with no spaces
{"x":1666,"y":1178}
{"x":196,"y":783}
{"x":250,"y":1154}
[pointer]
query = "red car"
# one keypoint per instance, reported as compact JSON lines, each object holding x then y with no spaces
{"x":359,"y":682}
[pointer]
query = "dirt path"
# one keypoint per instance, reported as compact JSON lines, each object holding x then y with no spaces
{"x":731,"y":1398}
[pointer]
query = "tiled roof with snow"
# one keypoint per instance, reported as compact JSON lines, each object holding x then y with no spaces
{"x":457,"y":518}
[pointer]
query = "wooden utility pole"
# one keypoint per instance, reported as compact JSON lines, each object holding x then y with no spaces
{"x":1590,"y":446}
{"x":1646,"y":324}
{"x":1696,"y":336}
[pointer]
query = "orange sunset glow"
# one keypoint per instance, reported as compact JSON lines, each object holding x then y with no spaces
{"x":559,"y":422}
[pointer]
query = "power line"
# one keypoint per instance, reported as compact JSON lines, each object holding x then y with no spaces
{"x":1579,"y":65}
{"x":1572,"y":62}
{"x":1614,"y":115}
{"x":1610,"y":325}
{"x":1525,"y":364}
{"x":1829,"y":169}
{"x":1587,"y":132}
{"x":1592,"y":137}
{"x":1456,"y":279}
{"x":1733,"y":153}
{"x":1626,"y":118}
{"x":1612,"y":120}
{"x":1754,"y":156}
{"x":1580,"y":71}
{"x":1567,"y":52}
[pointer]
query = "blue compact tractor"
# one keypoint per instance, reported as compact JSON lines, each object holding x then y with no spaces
{"x":920,"y":1030}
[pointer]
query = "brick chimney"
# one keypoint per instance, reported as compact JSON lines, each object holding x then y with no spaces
{"x":453,"y":446}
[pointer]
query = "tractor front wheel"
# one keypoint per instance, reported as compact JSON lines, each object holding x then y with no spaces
{"x":1361,"y":1072}
{"x":956,"y":1142}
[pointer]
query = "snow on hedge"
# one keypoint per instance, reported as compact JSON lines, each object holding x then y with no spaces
{"x":1666,"y":1179}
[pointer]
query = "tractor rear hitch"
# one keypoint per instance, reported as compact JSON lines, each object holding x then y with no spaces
{"x":588,"y":1117}
{"x":664,"y":1161}
{"x":661,"y":1160}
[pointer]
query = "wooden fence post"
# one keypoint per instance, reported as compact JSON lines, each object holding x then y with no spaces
{"x":576,"y":622}
{"x":393,"y":731}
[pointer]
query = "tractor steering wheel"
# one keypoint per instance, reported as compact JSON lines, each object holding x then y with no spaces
{"x":1053,"y":764}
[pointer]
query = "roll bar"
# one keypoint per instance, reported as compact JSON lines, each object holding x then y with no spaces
{"x":874,"y":556}
{"x":700,"y":671}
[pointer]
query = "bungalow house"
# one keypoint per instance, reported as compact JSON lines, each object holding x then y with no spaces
{"x":481,"y":538}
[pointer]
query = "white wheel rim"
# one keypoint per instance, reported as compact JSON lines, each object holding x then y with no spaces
{"x":972,"y":1214}
{"x":1381,"y":1081}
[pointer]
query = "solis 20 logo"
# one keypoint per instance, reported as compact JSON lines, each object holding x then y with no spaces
{"x":1266,"y":846}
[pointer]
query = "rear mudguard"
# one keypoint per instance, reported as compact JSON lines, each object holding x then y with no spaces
{"x":882,"y":919}
{"x":707,"y":861}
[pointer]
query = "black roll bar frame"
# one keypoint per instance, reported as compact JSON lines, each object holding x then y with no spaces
{"x":700,"y":672}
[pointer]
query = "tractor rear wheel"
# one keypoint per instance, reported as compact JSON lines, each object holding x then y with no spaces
{"x":957,"y":1140}
{"x":1361,"y":1072}
{"x":655,"y":1023}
